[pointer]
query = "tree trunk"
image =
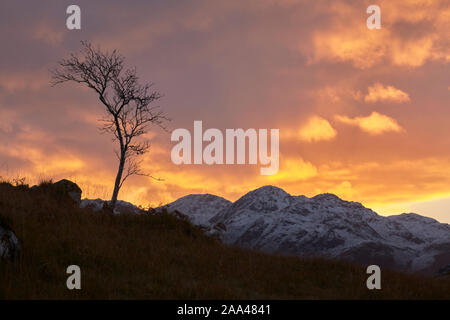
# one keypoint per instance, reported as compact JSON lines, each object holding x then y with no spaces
{"x":117,"y":183}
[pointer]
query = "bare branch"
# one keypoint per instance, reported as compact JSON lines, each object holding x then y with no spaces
{"x":128,"y":104}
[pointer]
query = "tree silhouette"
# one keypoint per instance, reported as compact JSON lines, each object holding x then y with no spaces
{"x":127,"y":103}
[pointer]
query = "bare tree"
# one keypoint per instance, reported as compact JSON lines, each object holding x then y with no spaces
{"x":127,"y":102}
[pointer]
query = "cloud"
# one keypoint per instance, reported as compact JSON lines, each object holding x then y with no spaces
{"x":336,"y":94}
{"x":51,"y":35}
{"x":373,"y":124}
{"x":293,"y":170}
{"x":413,"y":53}
{"x":412,"y":33}
{"x":20,"y":80}
{"x":378,"y":92}
{"x":358,"y":46}
{"x":344,"y":190}
{"x":317,"y":129}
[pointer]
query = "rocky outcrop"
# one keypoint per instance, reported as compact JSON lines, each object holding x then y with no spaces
{"x":62,"y":190}
{"x":69,"y":188}
{"x":9,"y":244}
{"x":444,"y":271}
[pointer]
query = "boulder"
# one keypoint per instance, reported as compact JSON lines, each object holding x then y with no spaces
{"x":9,"y":244}
{"x":444,"y":271}
{"x":69,"y":188}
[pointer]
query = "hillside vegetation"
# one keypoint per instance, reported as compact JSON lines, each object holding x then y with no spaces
{"x":159,"y":256}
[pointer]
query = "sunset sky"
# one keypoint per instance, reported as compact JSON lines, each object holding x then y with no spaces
{"x":363,"y":114}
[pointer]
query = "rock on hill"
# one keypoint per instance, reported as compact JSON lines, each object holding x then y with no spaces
{"x":121,"y":206}
{"x":9,"y":244}
{"x":271,"y":220}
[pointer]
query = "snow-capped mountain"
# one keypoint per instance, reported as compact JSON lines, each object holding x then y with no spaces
{"x":271,"y":220}
{"x":199,"y":208}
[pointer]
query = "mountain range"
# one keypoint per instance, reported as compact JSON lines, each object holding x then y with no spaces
{"x":269,"y":219}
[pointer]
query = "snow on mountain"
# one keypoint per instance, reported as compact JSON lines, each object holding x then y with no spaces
{"x":271,"y":220}
{"x":199,"y":208}
{"x":121,"y":206}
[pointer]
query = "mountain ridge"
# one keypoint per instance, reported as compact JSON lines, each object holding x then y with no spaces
{"x":271,"y":220}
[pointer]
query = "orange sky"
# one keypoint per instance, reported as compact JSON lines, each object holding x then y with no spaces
{"x":362,"y":113}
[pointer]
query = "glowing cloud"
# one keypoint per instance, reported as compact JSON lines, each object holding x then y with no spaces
{"x":412,"y":33}
{"x":317,"y":129}
{"x":20,"y":81}
{"x":293,"y":170}
{"x":378,"y":92}
{"x":373,"y":124}
{"x":355,"y":45}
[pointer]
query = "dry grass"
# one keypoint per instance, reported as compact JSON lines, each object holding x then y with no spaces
{"x":162,"y":257}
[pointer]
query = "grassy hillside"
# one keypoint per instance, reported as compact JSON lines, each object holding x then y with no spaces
{"x":163,"y":257}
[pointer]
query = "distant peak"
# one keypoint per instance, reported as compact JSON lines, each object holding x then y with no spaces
{"x":264,"y":199}
{"x":269,"y":189}
{"x":204,"y":196}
